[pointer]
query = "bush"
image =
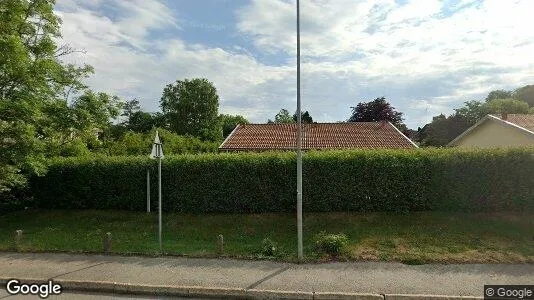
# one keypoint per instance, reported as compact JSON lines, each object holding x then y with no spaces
{"x":362,"y":180}
{"x":332,"y":244}
{"x":268,"y":247}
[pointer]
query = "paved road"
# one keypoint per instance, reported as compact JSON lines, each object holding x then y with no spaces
{"x":362,"y":277}
{"x":89,"y":296}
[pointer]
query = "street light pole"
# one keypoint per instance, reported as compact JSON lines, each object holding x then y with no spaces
{"x":157,"y":152}
{"x":159,"y":197}
{"x":299,"y":144}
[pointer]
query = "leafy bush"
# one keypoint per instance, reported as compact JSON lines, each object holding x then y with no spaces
{"x":332,"y":244}
{"x":268,"y":247}
{"x":358,"y":180}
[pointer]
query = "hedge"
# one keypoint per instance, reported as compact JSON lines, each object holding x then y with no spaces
{"x":357,"y":180}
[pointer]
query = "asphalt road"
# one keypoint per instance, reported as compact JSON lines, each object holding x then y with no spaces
{"x":87,"y":296}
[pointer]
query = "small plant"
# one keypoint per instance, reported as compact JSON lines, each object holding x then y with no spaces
{"x":330,"y":243}
{"x":268,"y":247}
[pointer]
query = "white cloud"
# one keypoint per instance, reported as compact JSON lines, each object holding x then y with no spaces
{"x":483,"y":45}
{"x":423,"y":60}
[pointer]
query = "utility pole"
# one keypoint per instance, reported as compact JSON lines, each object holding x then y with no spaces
{"x":299,"y":145}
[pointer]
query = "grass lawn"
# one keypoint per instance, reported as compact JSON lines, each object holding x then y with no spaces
{"x":410,"y":238}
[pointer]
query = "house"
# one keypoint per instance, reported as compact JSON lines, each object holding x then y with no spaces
{"x":264,"y":137}
{"x":506,"y":130}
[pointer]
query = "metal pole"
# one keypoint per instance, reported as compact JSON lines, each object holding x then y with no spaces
{"x":148,"y":190}
{"x":159,"y":197}
{"x":299,"y":144}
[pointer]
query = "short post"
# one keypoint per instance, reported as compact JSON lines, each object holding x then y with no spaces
{"x":148,"y":190}
{"x":220,"y":244}
{"x":18,"y":238}
{"x":107,"y":243}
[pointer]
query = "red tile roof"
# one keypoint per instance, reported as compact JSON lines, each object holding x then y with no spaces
{"x":316,"y":136}
{"x":522,"y":120}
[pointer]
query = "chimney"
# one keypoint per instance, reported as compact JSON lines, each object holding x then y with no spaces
{"x":504,"y":116}
{"x":383,"y":123}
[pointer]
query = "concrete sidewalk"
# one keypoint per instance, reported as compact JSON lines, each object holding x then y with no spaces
{"x":257,"y":279}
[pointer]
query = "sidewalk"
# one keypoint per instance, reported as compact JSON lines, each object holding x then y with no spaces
{"x":257,"y":279}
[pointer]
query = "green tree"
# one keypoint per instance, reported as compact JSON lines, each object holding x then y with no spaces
{"x":442,"y":130}
{"x":498,"y":94}
{"x":229,"y":122}
{"x":473,"y":111}
{"x":510,"y":106}
{"x":191,"y":108}
{"x":282,"y":117}
{"x":33,"y":81}
{"x":304,"y":116}
{"x":525,"y":93}
{"x":376,"y":110}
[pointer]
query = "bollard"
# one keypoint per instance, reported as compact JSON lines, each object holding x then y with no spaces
{"x":220,"y":244}
{"x":107,"y":243}
{"x":18,"y":238}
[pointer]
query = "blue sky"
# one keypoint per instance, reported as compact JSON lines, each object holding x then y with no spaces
{"x":425,"y":56}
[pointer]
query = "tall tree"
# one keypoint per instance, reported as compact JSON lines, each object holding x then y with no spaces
{"x":525,"y":93}
{"x":33,"y":80}
{"x":473,"y":111}
{"x":304,"y":116}
{"x":192,"y":107}
{"x":510,"y":106}
{"x":282,"y":117}
{"x":229,"y":122}
{"x":376,"y":110}
{"x":498,"y":94}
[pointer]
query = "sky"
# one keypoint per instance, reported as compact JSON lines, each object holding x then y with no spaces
{"x":425,"y":56}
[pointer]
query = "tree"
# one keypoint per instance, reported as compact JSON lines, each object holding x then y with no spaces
{"x":376,"y":110}
{"x":304,"y":116}
{"x":191,"y":107}
{"x":510,"y":106}
{"x":473,"y":111}
{"x":33,"y":81}
{"x":282,"y":117}
{"x":442,"y":130}
{"x":229,"y":122}
{"x":525,"y":93}
{"x":498,"y":94}
{"x":129,"y":108}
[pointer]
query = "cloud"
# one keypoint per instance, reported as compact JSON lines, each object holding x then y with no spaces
{"x":425,"y":56}
{"x":463,"y":48}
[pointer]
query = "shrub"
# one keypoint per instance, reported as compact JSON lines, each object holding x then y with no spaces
{"x":268,"y":247}
{"x":361,"y":180}
{"x":332,"y":244}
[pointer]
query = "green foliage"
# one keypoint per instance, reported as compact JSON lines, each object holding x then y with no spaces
{"x":376,"y":110}
{"x":282,"y":117}
{"x":358,"y":180}
{"x":33,"y":81}
{"x":525,"y":93}
{"x":499,"y":94}
{"x":305,"y":117}
{"x":268,"y":247}
{"x":191,"y":108}
{"x":332,"y":244}
{"x":133,"y":143}
{"x":510,"y":106}
{"x":229,"y":122}
{"x":444,"y":129}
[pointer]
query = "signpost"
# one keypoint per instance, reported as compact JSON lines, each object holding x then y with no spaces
{"x":157,"y":153}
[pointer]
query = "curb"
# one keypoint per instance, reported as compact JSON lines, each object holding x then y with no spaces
{"x":224,"y":293}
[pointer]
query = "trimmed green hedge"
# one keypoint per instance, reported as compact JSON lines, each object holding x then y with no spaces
{"x":362,"y":180}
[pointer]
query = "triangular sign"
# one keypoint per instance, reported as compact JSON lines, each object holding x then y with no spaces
{"x":157,"y":149}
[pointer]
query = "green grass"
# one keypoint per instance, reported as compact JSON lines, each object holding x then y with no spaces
{"x":411,"y":238}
